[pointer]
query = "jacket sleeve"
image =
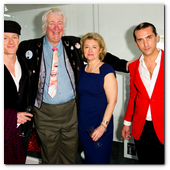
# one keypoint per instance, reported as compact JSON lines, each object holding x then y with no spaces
{"x":133,"y":92}
{"x":115,"y":62}
{"x":33,"y":64}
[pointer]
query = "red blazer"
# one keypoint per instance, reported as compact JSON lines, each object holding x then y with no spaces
{"x":139,"y":102}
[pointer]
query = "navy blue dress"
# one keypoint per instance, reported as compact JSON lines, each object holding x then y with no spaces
{"x":92,"y":105}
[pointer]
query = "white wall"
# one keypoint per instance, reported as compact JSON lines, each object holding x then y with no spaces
{"x":115,"y":22}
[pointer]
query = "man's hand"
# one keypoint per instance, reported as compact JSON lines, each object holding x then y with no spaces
{"x":127,"y":64}
{"x":125,"y":132}
{"x":23,"y":117}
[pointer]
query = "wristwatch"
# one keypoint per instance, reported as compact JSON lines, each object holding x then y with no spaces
{"x":105,"y":122}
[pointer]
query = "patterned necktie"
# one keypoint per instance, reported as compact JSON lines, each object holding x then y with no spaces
{"x":52,"y":87}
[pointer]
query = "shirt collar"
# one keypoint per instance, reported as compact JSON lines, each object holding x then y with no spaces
{"x":59,"y":45}
{"x":158,"y":59}
{"x":17,"y":62}
{"x":50,"y":46}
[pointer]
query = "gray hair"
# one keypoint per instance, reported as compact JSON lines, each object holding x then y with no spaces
{"x":56,"y":11}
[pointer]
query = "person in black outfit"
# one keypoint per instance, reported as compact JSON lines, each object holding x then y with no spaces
{"x":17,"y":123}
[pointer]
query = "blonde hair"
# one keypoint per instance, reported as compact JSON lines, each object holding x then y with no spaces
{"x":97,"y":37}
{"x":56,"y":11}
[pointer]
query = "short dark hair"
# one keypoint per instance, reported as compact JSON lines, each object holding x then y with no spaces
{"x":144,"y":25}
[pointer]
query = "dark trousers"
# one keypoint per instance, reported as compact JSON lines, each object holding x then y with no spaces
{"x":149,"y":149}
{"x":57,"y":128}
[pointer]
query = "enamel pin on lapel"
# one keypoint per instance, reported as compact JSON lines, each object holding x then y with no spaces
{"x":66,"y":43}
{"x":28,"y":54}
{"x":77,"y":45}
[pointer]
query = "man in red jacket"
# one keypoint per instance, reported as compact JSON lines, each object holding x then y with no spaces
{"x":146,"y":103}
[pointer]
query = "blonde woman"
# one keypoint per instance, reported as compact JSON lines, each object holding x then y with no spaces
{"x":98,"y":97}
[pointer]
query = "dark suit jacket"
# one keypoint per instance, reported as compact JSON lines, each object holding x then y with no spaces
{"x":14,"y":100}
{"x":74,"y":54}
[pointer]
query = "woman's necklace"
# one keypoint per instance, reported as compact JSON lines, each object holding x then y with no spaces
{"x":95,"y":66}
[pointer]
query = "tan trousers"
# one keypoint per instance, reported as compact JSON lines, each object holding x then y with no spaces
{"x":57,"y":127}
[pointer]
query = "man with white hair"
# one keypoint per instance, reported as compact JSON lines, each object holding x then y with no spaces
{"x":55,"y":115}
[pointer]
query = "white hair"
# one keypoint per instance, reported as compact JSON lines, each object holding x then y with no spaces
{"x":56,"y":11}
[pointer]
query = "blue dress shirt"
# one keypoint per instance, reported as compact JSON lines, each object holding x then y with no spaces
{"x":64,"y":87}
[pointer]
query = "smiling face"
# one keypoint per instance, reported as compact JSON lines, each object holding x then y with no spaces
{"x":91,"y":50}
{"x":11,"y":42}
{"x":54,"y":29}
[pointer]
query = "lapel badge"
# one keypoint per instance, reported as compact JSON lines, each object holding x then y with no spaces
{"x":39,"y":84}
{"x":39,"y":45}
{"x":28,"y":54}
{"x":73,"y":63}
{"x":30,"y":73}
{"x":67,"y":43}
{"x":77,"y":45}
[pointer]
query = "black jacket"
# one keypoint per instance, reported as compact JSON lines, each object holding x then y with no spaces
{"x":74,"y":54}
{"x":14,"y":100}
